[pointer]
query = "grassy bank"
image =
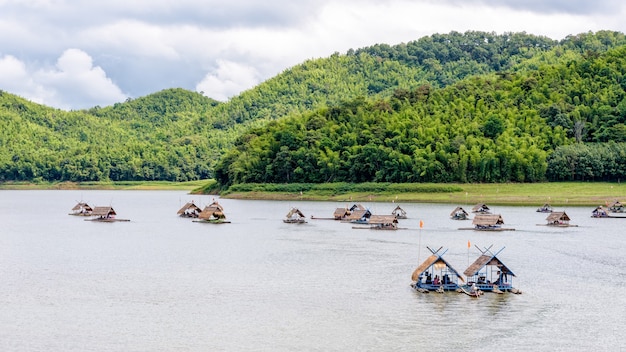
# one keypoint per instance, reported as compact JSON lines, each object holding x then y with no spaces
{"x":557,"y":194}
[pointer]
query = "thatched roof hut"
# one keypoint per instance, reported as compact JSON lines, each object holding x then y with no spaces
{"x":104,"y":212}
{"x":617,"y":207}
{"x":384,"y":222}
{"x":599,"y":212}
{"x":359,"y":215}
{"x":189,"y":210}
{"x":399,"y":213}
{"x":294,"y":216}
{"x":487,"y":269}
{"x":481,"y":208}
{"x":82,"y":208}
{"x":459,"y":214}
{"x":213,"y":211}
{"x":488,"y":220}
{"x":558,"y":218}
{"x":436,"y":262}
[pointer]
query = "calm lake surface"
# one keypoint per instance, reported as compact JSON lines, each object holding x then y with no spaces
{"x":163,"y":283}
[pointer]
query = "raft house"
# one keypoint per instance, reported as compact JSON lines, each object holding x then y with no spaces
{"x":459,"y":214}
{"x":358,"y":216}
{"x":294,"y":216}
{"x":489,"y":274}
{"x":212,"y":214}
{"x":104,"y":214}
{"x":435,"y":274}
{"x":599,"y":212}
{"x":488,"y":222}
{"x":380,"y":222}
{"x":81,"y":209}
{"x":481,"y":208}
{"x":617,"y":210}
{"x":399,"y":213}
{"x":189,"y":210}
{"x":559,"y":219}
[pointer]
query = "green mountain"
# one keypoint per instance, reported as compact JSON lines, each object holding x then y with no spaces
{"x":455,"y":107}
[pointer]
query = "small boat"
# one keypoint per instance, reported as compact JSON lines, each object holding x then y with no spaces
{"x":481,"y":208}
{"x":546,"y":208}
{"x":489,"y":274}
{"x":488,"y":222}
{"x":399,"y":213}
{"x":435,"y":274}
{"x":104,"y":214}
{"x":189,"y":210}
{"x":212,"y":214}
{"x":559,"y":219}
{"x":459,"y":214}
{"x":81,"y":209}
{"x":294,"y":216}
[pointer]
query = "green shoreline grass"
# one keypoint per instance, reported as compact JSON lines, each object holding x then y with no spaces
{"x":529,"y":194}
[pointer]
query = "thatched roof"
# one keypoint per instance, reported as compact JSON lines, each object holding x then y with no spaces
{"x":189,"y":206}
{"x":82,"y":205}
{"x":295,"y":212}
{"x":484,"y":260}
{"x":481,"y":207}
{"x":430,"y":261}
{"x":488,"y":220}
{"x":213,"y":210}
{"x":458,"y":210}
{"x":383,"y":219}
{"x":341,"y":213}
{"x":359,"y":214}
{"x":103,"y":211}
{"x":557,"y":216}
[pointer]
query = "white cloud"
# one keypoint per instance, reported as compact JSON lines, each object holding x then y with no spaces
{"x":144,"y":46}
{"x":229,"y":79}
{"x":73,"y":83}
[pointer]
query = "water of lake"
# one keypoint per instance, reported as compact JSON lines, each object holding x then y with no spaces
{"x":164,"y":283}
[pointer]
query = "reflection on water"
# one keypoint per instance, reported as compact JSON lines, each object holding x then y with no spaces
{"x":160,"y":282}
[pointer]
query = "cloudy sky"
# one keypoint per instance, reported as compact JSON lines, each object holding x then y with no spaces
{"x":74,"y":54}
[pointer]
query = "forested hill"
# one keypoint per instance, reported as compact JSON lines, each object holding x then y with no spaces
{"x":466,"y":107}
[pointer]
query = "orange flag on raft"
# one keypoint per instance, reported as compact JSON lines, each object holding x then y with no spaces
{"x":421,"y":223}
{"x":468,"y":244}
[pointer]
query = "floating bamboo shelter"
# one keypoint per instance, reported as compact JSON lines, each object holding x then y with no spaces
{"x":189,"y":210}
{"x":213,"y":214}
{"x":459,"y":214}
{"x":383,"y":222}
{"x":435,"y":274}
{"x":481,"y":208}
{"x":489,"y":274}
{"x":294,"y":216}
{"x":559,"y":219}
{"x":488,"y":222}
{"x":399,"y":213}
{"x":81,"y":209}
{"x":359,"y":216}
{"x":104,"y":214}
